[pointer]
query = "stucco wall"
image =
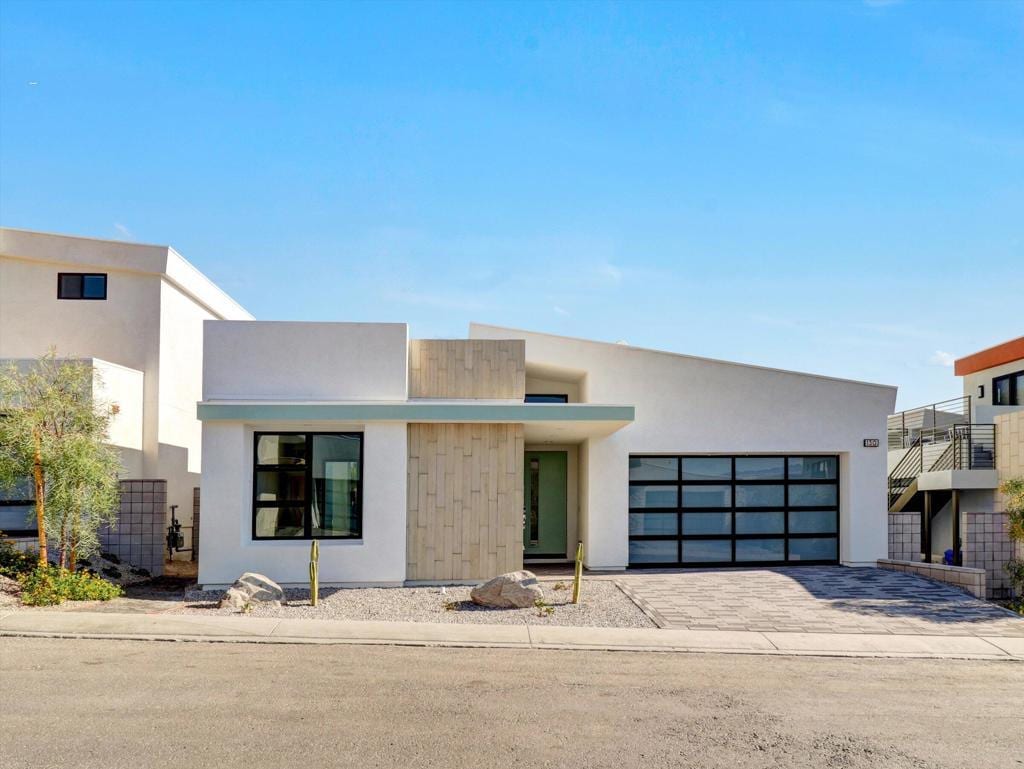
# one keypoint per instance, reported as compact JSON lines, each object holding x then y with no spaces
{"x":984,"y":411}
{"x":261,"y":360}
{"x":686,"y":404}
{"x":228,"y":549}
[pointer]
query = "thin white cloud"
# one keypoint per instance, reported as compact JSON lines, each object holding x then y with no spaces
{"x":942,"y":358}
{"x":123,"y":232}
{"x":560,"y":310}
{"x":610,"y":271}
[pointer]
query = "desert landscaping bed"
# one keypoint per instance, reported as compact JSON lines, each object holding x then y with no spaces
{"x":603,"y":604}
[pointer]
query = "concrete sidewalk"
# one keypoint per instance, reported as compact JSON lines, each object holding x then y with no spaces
{"x":187,"y":627}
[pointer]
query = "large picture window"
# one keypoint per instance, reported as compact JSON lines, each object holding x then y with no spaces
{"x":737,"y":510}
{"x":18,"y":509}
{"x":307,"y":486}
{"x":1008,"y":390}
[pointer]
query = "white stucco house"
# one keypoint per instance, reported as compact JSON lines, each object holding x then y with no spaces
{"x":136,"y":313}
{"x":433,"y":461}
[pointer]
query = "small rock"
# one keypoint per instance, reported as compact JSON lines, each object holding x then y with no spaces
{"x":251,"y":588}
{"x":514,"y":590}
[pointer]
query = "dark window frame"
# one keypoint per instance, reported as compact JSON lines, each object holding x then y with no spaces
{"x":551,"y":397}
{"x":307,"y":504}
{"x":8,"y":502}
{"x":1015,"y":393}
{"x":732,"y":509}
{"x":83,"y":276}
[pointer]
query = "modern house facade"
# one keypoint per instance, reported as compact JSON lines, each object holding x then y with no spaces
{"x":441,"y":461}
{"x":134,"y":313}
{"x":946,"y":461}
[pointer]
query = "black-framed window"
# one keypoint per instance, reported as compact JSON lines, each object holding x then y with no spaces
{"x":18,"y":509}
{"x":81,"y":285}
{"x":547,"y":398}
{"x":733,"y":510}
{"x":307,"y":485}
{"x":1008,"y":390}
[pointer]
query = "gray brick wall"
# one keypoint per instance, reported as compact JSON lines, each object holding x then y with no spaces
{"x":138,"y":538}
{"x":987,"y":546}
{"x":905,"y":536}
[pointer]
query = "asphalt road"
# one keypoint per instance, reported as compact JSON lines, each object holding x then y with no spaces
{"x":113,"y":704}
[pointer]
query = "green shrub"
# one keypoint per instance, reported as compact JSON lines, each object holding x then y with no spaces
{"x":49,"y":585}
{"x":14,"y":562}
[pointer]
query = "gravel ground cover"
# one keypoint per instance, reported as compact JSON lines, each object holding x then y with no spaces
{"x":603,"y":604}
{"x":9,"y":592}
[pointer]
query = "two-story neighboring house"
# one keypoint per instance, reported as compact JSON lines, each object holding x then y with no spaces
{"x":136,"y":313}
{"x":947,"y":459}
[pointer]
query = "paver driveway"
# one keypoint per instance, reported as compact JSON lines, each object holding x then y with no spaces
{"x":814,"y":599}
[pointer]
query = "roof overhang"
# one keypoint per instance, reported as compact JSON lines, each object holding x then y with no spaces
{"x":1007,"y":352}
{"x":545,"y":422}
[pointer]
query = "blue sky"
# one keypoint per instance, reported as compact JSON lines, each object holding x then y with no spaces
{"x":831,"y":187}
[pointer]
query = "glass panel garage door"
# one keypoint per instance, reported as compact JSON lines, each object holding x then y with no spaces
{"x":733,"y":511}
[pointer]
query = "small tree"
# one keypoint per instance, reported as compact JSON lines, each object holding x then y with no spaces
{"x":1013,"y":490}
{"x":53,"y":432}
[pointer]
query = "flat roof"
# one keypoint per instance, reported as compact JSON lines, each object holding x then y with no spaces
{"x":1007,"y":352}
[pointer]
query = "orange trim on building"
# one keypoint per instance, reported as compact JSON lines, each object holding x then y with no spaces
{"x":1007,"y":352}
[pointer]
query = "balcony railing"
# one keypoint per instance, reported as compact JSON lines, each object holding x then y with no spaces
{"x":905,"y":428}
{"x":954,"y":447}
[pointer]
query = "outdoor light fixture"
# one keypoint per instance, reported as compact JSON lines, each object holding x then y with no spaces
{"x":981,"y":391}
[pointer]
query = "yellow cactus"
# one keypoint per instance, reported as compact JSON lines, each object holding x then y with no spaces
{"x":314,"y":572}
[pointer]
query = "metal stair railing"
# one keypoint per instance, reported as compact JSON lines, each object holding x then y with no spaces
{"x":968,"y":447}
{"x":906,"y":471}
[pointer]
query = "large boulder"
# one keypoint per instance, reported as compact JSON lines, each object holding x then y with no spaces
{"x":514,"y":590}
{"x":252,"y":588}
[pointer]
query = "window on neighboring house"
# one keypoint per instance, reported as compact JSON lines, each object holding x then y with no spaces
{"x":547,"y":398}
{"x":307,"y":486}
{"x":81,"y":285}
{"x":18,"y":509}
{"x":1008,"y":390}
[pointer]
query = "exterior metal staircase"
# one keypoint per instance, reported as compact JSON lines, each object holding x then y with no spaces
{"x":936,"y":437}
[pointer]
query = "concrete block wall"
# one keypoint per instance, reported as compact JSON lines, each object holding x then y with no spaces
{"x":987,"y":547}
{"x":138,"y":538}
{"x":905,"y":536}
{"x":1009,"y":456}
{"x":969,"y":580}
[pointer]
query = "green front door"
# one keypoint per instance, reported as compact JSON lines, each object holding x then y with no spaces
{"x":545,"y":501}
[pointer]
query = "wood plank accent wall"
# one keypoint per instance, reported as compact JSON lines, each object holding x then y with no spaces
{"x":465,"y":487}
{"x":467,"y":368}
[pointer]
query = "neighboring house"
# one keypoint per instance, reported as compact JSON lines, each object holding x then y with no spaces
{"x":947,"y":459}
{"x":454,"y":460}
{"x":134,"y":313}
